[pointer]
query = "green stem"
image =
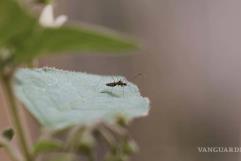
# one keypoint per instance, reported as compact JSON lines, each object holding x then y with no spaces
{"x":73,"y":135}
{"x":22,"y":141}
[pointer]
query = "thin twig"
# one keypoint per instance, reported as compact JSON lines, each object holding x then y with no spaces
{"x":107,"y":136}
{"x":22,"y":141}
{"x":10,"y":150}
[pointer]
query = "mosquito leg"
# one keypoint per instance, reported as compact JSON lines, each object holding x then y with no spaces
{"x":131,"y":89}
{"x":113,"y":78}
{"x":128,"y":85}
{"x":123,"y":92}
{"x":113,"y":81}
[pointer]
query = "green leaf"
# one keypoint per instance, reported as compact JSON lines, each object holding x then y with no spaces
{"x":57,"y":40}
{"x":59,"y":99}
{"x":43,"y":1}
{"x":63,"y":157}
{"x":47,"y":146}
{"x":8,"y":134}
{"x":21,"y":34}
{"x":15,"y":22}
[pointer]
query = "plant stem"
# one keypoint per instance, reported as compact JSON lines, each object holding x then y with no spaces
{"x":22,"y":141}
{"x":91,"y":157}
{"x":108,"y":137}
{"x":10,"y":150}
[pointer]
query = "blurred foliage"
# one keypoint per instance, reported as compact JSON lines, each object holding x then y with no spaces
{"x":43,"y":1}
{"x":56,"y":40}
{"x":46,"y":146}
{"x":85,"y":142}
{"x":24,"y":39}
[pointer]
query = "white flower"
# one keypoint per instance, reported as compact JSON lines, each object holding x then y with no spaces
{"x":47,"y":18}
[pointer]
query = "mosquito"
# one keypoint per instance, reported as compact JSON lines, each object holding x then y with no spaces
{"x":119,"y":83}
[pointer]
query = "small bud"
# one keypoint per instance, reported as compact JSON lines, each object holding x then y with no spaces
{"x":122,"y":121}
{"x":130,"y":147}
{"x":47,"y":19}
{"x":86,"y":143}
{"x":8,"y":134}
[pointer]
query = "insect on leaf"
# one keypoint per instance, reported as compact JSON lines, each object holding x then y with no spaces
{"x":59,"y":99}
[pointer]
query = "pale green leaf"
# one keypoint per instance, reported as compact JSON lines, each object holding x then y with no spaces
{"x":60,"y":98}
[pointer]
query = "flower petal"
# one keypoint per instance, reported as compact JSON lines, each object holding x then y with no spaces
{"x":46,"y":18}
{"x":60,"y":20}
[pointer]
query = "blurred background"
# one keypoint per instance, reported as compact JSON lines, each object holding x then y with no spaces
{"x":191,"y":67}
